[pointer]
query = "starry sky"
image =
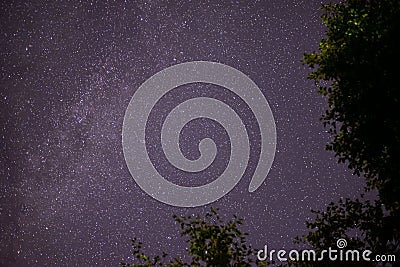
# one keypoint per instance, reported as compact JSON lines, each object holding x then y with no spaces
{"x":68,"y":72}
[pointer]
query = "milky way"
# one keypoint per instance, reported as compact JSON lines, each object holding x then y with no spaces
{"x":68,"y":72}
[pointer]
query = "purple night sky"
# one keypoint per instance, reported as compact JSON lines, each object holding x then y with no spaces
{"x":68,"y":72}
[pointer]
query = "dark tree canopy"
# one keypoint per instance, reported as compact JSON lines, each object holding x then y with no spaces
{"x":211,"y":242}
{"x":357,"y":69}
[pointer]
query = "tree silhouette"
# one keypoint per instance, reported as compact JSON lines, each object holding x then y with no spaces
{"x":357,"y":69}
{"x":212,"y":242}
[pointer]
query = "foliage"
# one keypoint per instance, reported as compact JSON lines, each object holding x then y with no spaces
{"x":212,"y":242}
{"x":357,"y":69}
{"x":362,"y":223}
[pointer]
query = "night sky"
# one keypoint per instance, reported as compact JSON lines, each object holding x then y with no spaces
{"x":68,"y":72}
